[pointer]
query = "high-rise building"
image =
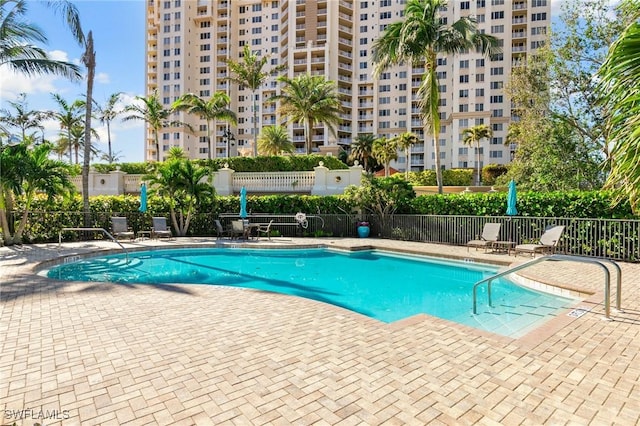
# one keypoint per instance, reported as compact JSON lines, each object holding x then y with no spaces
{"x":190,"y":41}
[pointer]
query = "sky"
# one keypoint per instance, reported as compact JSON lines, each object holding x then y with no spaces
{"x":118,"y":28}
{"x":119,"y":38}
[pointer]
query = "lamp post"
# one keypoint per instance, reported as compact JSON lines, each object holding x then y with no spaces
{"x":229,"y":138}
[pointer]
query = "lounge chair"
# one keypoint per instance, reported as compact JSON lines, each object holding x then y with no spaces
{"x":237,"y":229}
{"x":490,"y":234}
{"x":160,"y":228}
{"x":222,"y":231}
{"x":121,"y":229}
{"x":547,"y":244}
{"x":265,"y":229}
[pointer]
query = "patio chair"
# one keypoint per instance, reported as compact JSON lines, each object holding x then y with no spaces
{"x":547,"y":244}
{"x":490,"y":234}
{"x":160,"y":228}
{"x":265,"y":229}
{"x":120,"y":228}
{"x":237,"y":229}
{"x":221,"y":231}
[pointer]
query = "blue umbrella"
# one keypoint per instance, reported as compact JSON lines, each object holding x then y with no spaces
{"x":511,"y":199}
{"x":143,"y":198}
{"x":243,"y":203}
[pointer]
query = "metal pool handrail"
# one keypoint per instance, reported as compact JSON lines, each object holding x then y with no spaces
{"x":104,"y":231}
{"x":596,"y":261}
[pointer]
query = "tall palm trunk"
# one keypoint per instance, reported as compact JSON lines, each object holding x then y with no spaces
{"x":89,"y":59}
{"x":255,"y":125}
{"x":478,"y":160}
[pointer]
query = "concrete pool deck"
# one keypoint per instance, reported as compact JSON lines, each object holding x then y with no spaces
{"x":104,"y":354}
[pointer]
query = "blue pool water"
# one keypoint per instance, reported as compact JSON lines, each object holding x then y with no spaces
{"x":384,"y":286}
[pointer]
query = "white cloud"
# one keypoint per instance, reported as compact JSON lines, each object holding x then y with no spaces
{"x":12,"y":83}
{"x":102,"y":78}
{"x":59,"y":55}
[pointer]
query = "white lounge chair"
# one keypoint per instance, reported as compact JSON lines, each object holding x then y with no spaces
{"x":160,"y":228}
{"x":121,"y":229}
{"x":490,"y":234}
{"x":547,"y":244}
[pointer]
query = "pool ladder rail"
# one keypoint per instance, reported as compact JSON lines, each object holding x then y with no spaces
{"x":104,"y":231}
{"x":582,"y":259}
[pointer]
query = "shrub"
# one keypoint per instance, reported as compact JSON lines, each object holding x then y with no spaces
{"x":450,"y":177}
{"x":491,"y":172}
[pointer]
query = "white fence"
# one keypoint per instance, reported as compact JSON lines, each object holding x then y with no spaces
{"x":320,"y":181}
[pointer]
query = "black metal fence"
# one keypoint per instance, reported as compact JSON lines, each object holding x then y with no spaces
{"x":608,"y":238}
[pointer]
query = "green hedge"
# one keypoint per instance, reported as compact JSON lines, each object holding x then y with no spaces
{"x":584,"y":204}
{"x":48,"y":217}
{"x":491,"y":172}
{"x":450,"y":177}
{"x":241,"y":164}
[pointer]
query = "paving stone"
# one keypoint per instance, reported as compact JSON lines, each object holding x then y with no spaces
{"x":180,"y":354}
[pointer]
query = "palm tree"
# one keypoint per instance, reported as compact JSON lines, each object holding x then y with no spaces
{"x":419,"y":38}
{"x":213,"y":109}
{"x":69,"y":116}
{"x":309,"y":99}
{"x":18,"y":35}
{"x":89,"y":61}
{"x":250,"y":73}
{"x":106,"y":114}
{"x":183,"y":185}
{"x":474,"y":135}
{"x":362,"y":148}
{"x":404,"y":141}
{"x":22,"y":118}
{"x":385,"y":150}
{"x":274,"y":140}
{"x":154,"y":114}
{"x":25,"y":172}
{"x":620,"y":77}
{"x":78,"y":141}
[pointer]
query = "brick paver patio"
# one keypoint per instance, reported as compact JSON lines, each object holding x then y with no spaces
{"x":105,"y":354}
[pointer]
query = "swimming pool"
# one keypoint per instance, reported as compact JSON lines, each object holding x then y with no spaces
{"x":385,"y":286}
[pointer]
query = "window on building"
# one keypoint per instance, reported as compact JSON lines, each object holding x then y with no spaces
{"x":463,"y":150}
{"x":464,"y":63}
{"x":480,"y":18}
{"x":464,"y":93}
{"x":497,"y":113}
{"x":465,"y":5}
{"x":463,"y":108}
{"x":496,"y":99}
{"x":204,"y":47}
{"x":479,"y":107}
{"x":539,"y":16}
{"x":205,"y":70}
{"x":384,"y":88}
{"x":479,"y":91}
{"x":497,"y":85}
{"x":497,"y":29}
{"x":495,"y":154}
{"x":205,"y":36}
{"x":385,"y":15}
{"x":497,"y":15}
{"x":464,"y":78}
{"x":497,"y":71}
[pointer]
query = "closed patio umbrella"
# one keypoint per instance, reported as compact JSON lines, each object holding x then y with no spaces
{"x":243,"y":203}
{"x":143,"y":198}
{"x":511,"y":199}
{"x":511,"y":204}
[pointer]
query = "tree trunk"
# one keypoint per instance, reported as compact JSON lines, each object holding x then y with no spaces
{"x":89,"y":60}
{"x":255,"y":125}
{"x":436,"y":149}
{"x":478,"y":161}
{"x":109,"y":141}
